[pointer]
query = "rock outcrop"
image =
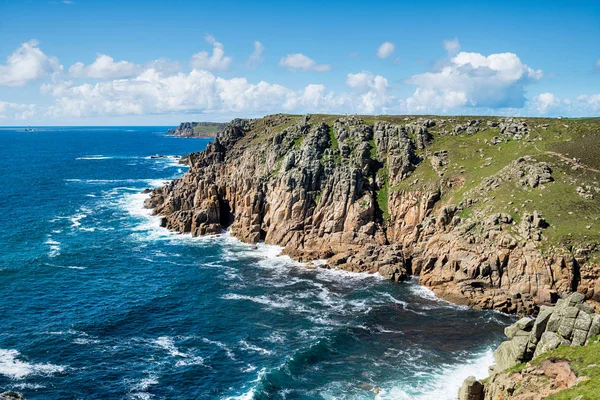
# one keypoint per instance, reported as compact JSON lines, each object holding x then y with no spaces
{"x":571,"y":322}
{"x":197,"y":129}
{"x":11,"y":395}
{"x":343,"y":190}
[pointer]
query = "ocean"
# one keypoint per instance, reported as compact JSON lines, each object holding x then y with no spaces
{"x":97,"y":301}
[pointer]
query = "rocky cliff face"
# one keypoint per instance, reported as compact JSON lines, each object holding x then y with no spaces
{"x":389,"y":195}
{"x":197,"y":129}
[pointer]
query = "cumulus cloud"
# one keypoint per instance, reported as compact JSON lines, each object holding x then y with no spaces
{"x":256,"y":56}
{"x":591,"y":102}
{"x":473,"y":80}
{"x":452,"y":46}
{"x":104,"y":67}
{"x":544,"y":102}
{"x":28,"y":63}
{"x":155,"y":92}
{"x":217,"y":61}
{"x":14,"y":111}
{"x":385,"y":50}
{"x":300,"y":62}
{"x":373,"y":91}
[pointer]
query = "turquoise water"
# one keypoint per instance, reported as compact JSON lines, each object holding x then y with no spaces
{"x":97,"y":301}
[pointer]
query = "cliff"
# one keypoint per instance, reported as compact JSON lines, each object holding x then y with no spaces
{"x":495,"y":213}
{"x":198,"y":129}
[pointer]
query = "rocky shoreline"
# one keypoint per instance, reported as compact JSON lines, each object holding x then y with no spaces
{"x":328,"y":191}
{"x":343,"y":190}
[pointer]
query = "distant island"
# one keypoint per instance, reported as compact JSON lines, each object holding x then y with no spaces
{"x":198,"y":129}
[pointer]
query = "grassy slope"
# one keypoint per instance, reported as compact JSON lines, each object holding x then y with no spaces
{"x":209,"y":129}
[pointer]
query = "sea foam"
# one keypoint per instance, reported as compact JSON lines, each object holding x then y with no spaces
{"x":14,"y":367}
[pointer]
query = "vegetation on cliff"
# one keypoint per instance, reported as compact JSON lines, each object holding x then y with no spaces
{"x":198,"y":129}
{"x":492,"y":212}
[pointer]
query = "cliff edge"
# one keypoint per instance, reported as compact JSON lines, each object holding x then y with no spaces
{"x":495,"y":213}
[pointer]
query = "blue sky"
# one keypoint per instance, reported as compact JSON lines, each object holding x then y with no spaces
{"x":132,"y":62}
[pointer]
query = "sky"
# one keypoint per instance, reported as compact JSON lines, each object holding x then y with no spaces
{"x":88,"y":62}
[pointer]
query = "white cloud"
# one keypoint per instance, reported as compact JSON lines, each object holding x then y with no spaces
{"x":300,"y":62}
{"x":256,"y":56}
{"x":28,"y":63}
{"x":373,"y":91}
{"x":215,"y":62}
{"x":473,"y":80}
{"x":14,"y":111}
{"x":104,"y":67}
{"x":452,"y":46}
{"x":385,"y":49}
{"x":155,"y":92}
{"x":597,"y":63}
{"x":591,"y":102}
{"x":545,"y":102}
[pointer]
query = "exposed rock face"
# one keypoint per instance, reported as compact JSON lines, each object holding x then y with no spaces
{"x":330,"y":190}
{"x":471,"y":389}
{"x":198,"y":129}
{"x":11,"y":395}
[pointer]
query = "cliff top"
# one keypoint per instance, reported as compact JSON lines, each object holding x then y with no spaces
{"x":198,"y":129}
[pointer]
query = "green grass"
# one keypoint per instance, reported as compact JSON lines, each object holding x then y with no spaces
{"x":585,"y":361}
{"x":382,"y":192}
{"x":298,"y":142}
{"x":209,"y":128}
{"x":334,"y":146}
{"x":373,"y":150}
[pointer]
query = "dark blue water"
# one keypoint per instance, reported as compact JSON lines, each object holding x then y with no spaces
{"x":98,"y":301}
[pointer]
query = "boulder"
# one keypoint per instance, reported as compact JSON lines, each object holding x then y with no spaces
{"x":471,"y":389}
{"x":11,"y":395}
{"x":519,"y":328}
{"x":548,"y":341}
{"x":511,"y":352}
{"x":539,"y":326}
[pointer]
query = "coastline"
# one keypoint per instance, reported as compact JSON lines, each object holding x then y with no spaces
{"x":476,"y":364}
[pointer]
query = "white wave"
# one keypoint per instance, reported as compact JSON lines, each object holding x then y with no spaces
{"x":28,"y":386}
{"x":445,"y":384}
{"x":65,"y":266}
{"x":13,"y":367}
{"x":249,"y":395}
{"x":249,"y":368}
{"x":54,"y":247}
{"x":167,"y":343}
{"x":393,"y":299}
{"x":81,"y":214}
{"x":186,"y":359}
{"x":247,"y":346}
{"x":221,"y":345}
{"x":94,"y":157}
{"x":85,"y":340}
{"x":428,"y":294}
{"x":146,"y":383}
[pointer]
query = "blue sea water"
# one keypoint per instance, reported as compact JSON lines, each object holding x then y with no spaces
{"x":98,"y":302}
